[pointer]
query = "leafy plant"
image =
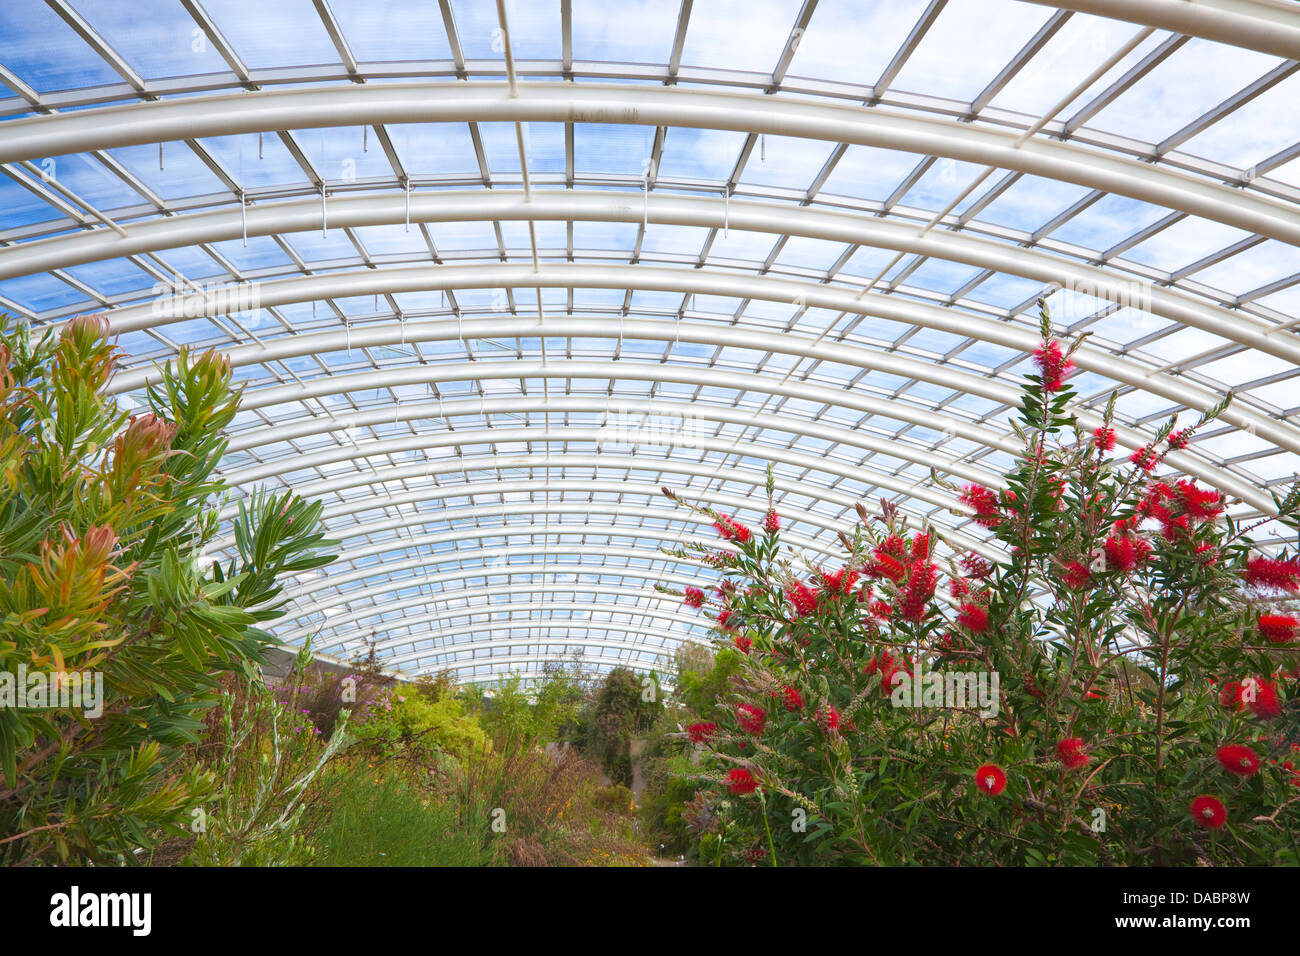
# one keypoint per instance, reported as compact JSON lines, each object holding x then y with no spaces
{"x":103,"y":516}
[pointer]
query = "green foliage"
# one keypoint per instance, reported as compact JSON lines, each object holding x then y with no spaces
{"x":441,"y":724}
{"x":102,"y":519}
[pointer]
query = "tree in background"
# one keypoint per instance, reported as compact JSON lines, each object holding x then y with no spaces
{"x":103,"y":517}
{"x":624,"y":706}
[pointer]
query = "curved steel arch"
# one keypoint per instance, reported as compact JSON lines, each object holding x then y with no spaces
{"x":508,"y":531}
{"x":611,"y":531}
{"x":1268,"y":28}
{"x":1018,"y":337}
{"x":776,"y":218}
{"x":668,"y":466}
{"x":514,"y":659}
{"x":359,"y":622}
{"x":382,"y":447}
{"x":1284,"y":435}
{"x":256,"y":437}
{"x":818,"y":493}
{"x":360,"y":574}
{"x":361,"y":104}
{"x":558,"y":570}
{"x":835,"y":434}
{"x":454,"y":650}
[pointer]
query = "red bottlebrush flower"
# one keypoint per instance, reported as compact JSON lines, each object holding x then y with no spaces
{"x":1207,"y":554}
{"x":1200,"y":504}
{"x":920,"y":547}
{"x":1278,"y":628}
{"x":726,"y":619}
{"x":839,"y":582}
{"x":828,"y":718}
{"x":892,"y":545}
{"x":702,"y":731}
{"x":731,"y":530}
{"x":1144,"y":458}
{"x":1261,"y":697}
{"x":1273,"y":573}
{"x":1052,"y":364}
{"x":975,"y":566}
{"x":881,"y":609}
{"x":772,"y":521}
{"x":1124,"y":553}
{"x":792,"y":699}
{"x":803,"y":599}
{"x":958,"y":587}
{"x":743,"y":644}
{"x":1209,"y":812}
{"x":915,"y":596}
{"x":1238,"y":759}
{"x":991,"y":779}
{"x":694,"y":597}
{"x":984,"y":503}
{"x":887,"y":666}
{"x":1104,"y":439}
{"x":1230,"y":696}
{"x":1072,"y":753}
{"x":974,"y":618}
{"x":1076,"y":576}
{"x":751,"y":719}
{"x":740,"y":781}
{"x":1180,"y":438}
{"x":887,"y":566}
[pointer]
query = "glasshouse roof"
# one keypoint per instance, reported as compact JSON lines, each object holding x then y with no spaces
{"x":493,"y":273}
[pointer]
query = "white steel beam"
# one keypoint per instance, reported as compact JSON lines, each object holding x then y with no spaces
{"x":1269,"y":26}
{"x":379,"y":103}
{"x":855,"y":228}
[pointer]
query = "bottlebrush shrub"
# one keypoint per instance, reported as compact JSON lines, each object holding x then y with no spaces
{"x":102,"y":517}
{"x":1122,"y":618}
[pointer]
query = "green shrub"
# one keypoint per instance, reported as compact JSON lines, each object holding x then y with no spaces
{"x":102,"y":520}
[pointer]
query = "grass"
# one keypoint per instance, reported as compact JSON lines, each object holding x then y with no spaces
{"x":384,"y":821}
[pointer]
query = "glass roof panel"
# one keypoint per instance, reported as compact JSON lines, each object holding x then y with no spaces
{"x":946,"y":63}
{"x":383,"y":30}
{"x":284,"y":33}
{"x":851,"y":42}
{"x":1196,"y":77}
{"x":632,"y":31}
{"x":156,"y":37}
{"x":738,"y":34}
{"x":60,"y":61}
{"x":534,"y":29}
